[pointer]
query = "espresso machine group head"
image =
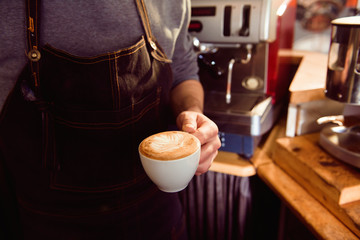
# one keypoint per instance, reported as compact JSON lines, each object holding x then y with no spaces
{"x":237,"y":56}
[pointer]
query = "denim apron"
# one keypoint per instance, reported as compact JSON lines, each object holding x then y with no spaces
{"x":69,"y":133}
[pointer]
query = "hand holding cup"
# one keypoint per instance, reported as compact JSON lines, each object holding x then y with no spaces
{"x":170,"y":159}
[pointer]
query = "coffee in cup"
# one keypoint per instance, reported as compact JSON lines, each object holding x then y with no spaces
{"x":170,"y":159}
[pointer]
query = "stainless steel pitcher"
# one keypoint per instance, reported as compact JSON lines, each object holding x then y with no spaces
{"x":343,"y":76}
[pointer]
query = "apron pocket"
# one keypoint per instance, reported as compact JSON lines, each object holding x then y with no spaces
{"x":97,"y":151}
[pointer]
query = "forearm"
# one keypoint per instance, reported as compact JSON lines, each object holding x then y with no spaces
{"x":187,"y":96}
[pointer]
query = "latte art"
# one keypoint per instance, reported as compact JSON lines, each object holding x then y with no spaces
{"x":169,"y":145}
{"x":167,"y":142}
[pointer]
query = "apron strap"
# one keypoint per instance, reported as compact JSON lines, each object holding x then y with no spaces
{"x":33,"y":21}
{"x":157,"y":51}
{"x":33,"y":36}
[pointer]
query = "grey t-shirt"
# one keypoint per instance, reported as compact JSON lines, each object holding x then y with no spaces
{"x":92,"y":27}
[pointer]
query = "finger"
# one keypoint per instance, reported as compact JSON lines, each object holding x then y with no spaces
{"x":205,"y":165}
{"x":186,"y":121}
{"x":208,"y":153}
{"x":207,"y":130}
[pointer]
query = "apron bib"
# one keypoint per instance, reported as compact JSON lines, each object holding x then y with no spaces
{"x":70,"y":128}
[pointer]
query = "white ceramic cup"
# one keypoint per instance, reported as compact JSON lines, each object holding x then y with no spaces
{"x":171,"y":175}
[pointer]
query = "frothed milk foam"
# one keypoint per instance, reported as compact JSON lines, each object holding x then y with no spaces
{"x":169,"y":145}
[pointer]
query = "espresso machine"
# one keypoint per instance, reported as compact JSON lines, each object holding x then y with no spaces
{"x":343,"y":85}
{"x":237,"y":47}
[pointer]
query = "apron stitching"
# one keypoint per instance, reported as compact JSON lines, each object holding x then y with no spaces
{"x":116,"y":125}
{"x":116,"y":79}
{"x":111,"y":82}
{"x":143,"y":18}
{"x":147,"y":20}
{"x":72,"y":58}
{"x":36,"y":28}
{"x":159,"y":57}
{"x":119,"y":53}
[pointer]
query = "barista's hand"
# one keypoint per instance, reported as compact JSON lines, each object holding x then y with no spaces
{"x":206,"y":131}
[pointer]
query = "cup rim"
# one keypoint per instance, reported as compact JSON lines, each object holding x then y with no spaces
{"x":179,"y":159}
{"x":175,"y":160}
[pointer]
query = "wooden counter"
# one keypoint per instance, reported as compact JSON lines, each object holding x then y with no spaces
{"x":323,"y":221}
{"x":331,"y":182}
{"x":318,"y":219}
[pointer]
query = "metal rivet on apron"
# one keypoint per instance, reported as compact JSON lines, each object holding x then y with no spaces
{"x":34,"y":55}
{"x":153,"y":45}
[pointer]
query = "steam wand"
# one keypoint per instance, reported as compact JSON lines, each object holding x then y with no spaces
{"x":229,"y":79}
{"x":230,"y":71}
